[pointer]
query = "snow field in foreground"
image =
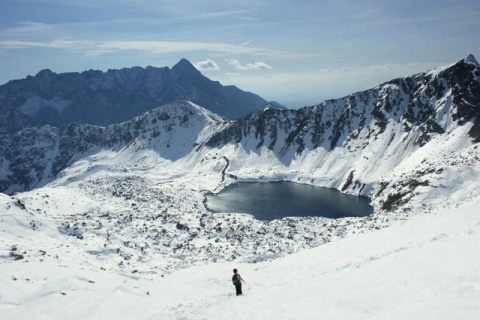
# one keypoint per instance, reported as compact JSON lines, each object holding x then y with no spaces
{"x":426,"y":268}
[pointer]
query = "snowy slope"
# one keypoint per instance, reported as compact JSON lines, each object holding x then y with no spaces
{"x":386,"y":142}
{"x":138,"y":187}
{"x":32,"y":157}
{"x":426,"y":268}
{"x":114,"y":221}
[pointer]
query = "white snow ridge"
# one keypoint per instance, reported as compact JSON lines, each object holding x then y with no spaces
{"x":110,"y":222}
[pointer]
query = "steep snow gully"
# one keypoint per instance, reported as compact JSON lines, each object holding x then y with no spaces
{"x":106,"y":222}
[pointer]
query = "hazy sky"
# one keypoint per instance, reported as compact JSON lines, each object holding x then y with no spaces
{"x":296,"y":52}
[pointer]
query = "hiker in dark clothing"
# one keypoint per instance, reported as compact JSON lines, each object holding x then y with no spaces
{"x":237,"y":281}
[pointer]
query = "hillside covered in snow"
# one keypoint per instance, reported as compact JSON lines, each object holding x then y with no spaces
{"x":118,"y":213}
{"x":426,"y":268}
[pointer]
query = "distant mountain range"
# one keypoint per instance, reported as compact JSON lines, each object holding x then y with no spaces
{"x":104,"y":98}
{"x":385,"y":143}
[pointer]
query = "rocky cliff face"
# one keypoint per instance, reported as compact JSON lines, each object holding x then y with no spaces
{"x":389,"y":142}
{"x":104,"y":98}
{"x":364,"y":141}
{"x":430,"y":103}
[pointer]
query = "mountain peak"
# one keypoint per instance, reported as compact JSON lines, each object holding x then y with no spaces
{"x":270,"y":105}
{"x":470,"y":59}
{"x":44,"y":73}
{"x":186,"y":67}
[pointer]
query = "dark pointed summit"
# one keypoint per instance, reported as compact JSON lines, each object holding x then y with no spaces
{"x":185,"y":67}
{"x":471,"y":60}
{"x":115,"y":96}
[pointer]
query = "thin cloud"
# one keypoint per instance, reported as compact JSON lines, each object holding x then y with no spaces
{"x":210,"y":15}
{"x":94,"y":48}
{"x":55,"y":44}
{"x":405,"y":69}
{"x":249,"y":66}
{"x":207,"y":65}
{"x":246,"y":43}
{"x":28,"y":27}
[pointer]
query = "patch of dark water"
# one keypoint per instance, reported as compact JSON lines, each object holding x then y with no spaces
{"x":276,"y":200}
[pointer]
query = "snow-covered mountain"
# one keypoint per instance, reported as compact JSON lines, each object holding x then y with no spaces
{"x":103,"y":98}
{"x":385,"y":142}
{"x":34,"y":156}
{"x":124,"y":204}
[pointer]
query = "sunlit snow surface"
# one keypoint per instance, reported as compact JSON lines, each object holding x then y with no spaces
{"x":425,"y":268}
{"x":122,"y":232}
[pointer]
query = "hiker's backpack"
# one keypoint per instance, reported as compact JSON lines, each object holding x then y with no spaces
{"x":235,"y":280}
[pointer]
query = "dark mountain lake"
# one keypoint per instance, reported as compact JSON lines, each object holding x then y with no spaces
{"x":276,"y":200}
